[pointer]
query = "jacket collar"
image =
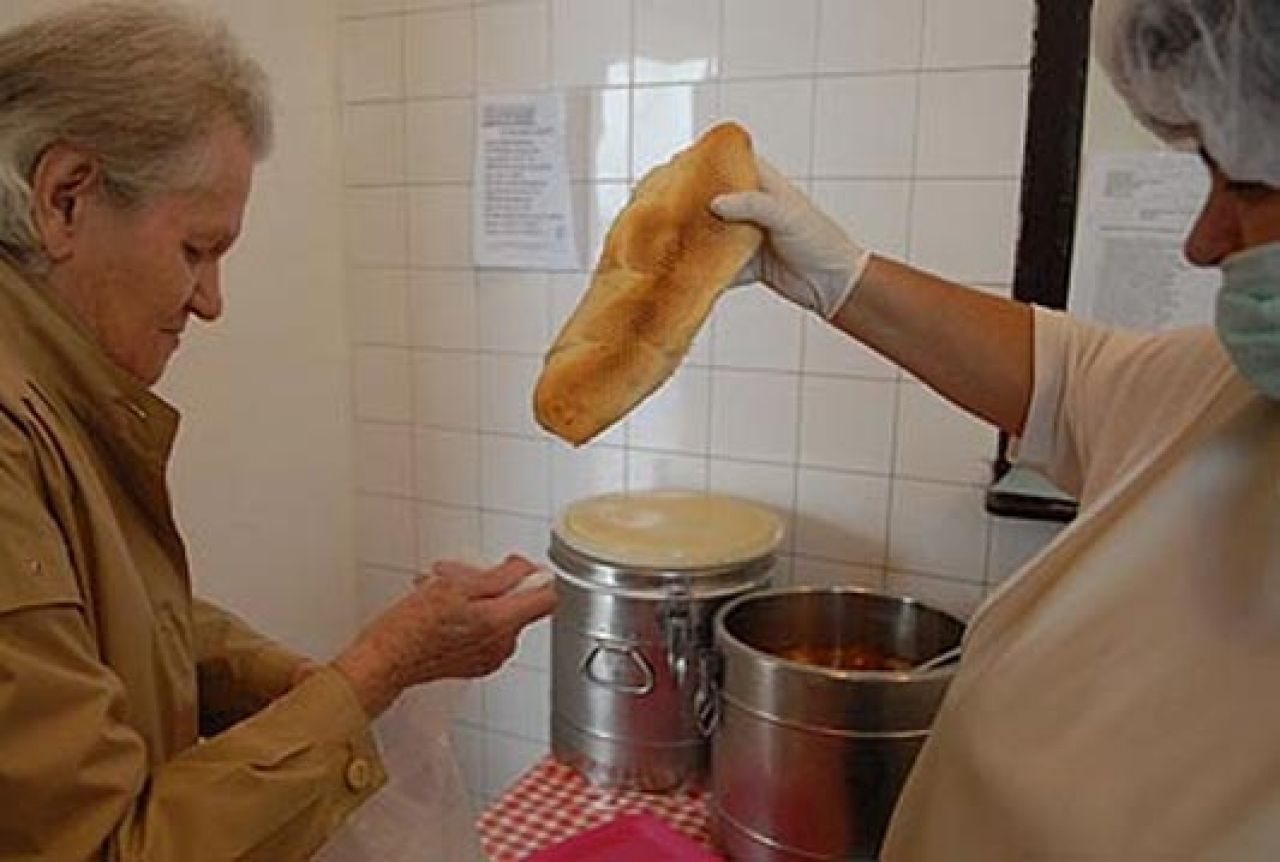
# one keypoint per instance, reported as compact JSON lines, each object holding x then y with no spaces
{"x":66,"y":364}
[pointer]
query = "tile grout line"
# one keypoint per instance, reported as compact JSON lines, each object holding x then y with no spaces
{"x":892,"y":466}
{"x":631,"y":182}
{"x":798,"y":447}
{"x":477,"y":337}
{"x":416,"y":477}
{"x":713,"y":330}
{"x":480,"y":692}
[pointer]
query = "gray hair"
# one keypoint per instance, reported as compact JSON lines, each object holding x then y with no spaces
{"x":140,"y":85}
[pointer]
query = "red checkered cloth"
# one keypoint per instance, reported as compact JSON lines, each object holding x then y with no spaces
{"x":553,"y":802}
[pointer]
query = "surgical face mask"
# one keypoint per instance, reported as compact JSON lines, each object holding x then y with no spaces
{"x":1248,"y":315}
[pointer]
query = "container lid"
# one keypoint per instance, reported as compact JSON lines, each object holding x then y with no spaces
{"x":669,"y":529}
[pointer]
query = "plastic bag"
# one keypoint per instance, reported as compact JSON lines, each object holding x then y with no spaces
{"x":423,"y":812}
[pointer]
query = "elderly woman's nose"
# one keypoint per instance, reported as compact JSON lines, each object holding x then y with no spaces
{"x":206,"y":301}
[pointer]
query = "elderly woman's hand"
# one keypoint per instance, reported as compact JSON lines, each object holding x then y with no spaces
{"x":459,"y":621}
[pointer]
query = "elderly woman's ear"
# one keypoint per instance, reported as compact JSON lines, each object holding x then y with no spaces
{"x":64,"y":178}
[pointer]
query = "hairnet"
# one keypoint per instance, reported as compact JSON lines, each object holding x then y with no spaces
{"x":1200,"y":71}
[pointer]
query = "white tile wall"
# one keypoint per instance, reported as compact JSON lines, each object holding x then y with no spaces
{"x":372,"y":59}
{"x":951,"y":143}
{"x":753,"y":415}
{"x":865,"y":126}
{"x":677,"y":417}
{"x":382,"y":385}
{"x":376,"y":300}
{"x":870,"y":36}
{"x":513,"y":50}
{"x":377,"y":227}
{"x":374,"y":143}
{"x":440,"y":53}
{"x":877,"y":212}
{"x":756,"y":329}
{"x":440,"y":134}
{"x":667,"y":118}
{"x":847,"y":424}
{"x":769,"y":37}
{"x":676,"y":40}
{"x":904,"y":120}
{"x":442,"y":309}
{"x":965,"y":33}
{"x":966,"y":228}
{"x":384,"y":459}
{"x":578,"y":473}
{"x":779,"y":114}
{"x":600,"y":133}
{"x":591,"y":42}
{"x":448,"y":467}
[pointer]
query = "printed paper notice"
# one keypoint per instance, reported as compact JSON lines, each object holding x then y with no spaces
{"x":1129,"y":267}
{"x":522,"y":209}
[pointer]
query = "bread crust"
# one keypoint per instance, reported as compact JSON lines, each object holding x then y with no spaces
{"x":666,"y":260}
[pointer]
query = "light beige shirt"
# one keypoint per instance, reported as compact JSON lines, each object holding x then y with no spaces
{"x":109,"y":670}
{"x":1119,"y":699}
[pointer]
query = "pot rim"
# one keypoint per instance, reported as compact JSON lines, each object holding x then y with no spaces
{"x":726,"y":640}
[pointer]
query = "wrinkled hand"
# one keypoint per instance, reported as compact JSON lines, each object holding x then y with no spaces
{"x":459,"y":621}
{"x":806,"y":257}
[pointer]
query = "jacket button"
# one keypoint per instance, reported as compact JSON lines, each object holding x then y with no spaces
{"x":359,"y":774}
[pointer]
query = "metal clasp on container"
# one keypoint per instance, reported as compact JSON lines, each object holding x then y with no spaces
{"x":677,"y":625}
{"x":706,"y":701}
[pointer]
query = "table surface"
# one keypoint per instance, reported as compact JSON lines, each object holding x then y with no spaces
{"x":552,"y":802}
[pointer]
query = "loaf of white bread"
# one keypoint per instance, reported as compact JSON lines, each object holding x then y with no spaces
{"x":666,"y":260}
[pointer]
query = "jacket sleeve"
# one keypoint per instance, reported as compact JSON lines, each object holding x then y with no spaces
{"x":239,"y":670}
{"x":77,"y":781}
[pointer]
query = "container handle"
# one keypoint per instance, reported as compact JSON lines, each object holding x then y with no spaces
{"x":590,"y":671}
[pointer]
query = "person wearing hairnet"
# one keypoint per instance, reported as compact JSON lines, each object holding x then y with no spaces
{"x":136,"y":721}
{"x":1118,"y":698}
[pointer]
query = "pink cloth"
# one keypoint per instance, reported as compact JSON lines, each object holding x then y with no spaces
{"x":553,"y":802}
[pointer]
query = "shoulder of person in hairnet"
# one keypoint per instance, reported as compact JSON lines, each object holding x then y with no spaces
{"x":1113,"y":701}
{"x":137,"y":722}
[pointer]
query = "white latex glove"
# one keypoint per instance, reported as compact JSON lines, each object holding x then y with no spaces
{"x":806,"y":256}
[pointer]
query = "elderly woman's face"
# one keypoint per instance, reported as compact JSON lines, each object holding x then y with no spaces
{"x":1234,"y":217}
{"x":137,"y":275}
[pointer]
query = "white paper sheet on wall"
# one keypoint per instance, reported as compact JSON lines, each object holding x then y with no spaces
{"x":1129,"y":269}
{"x":522,"y":209}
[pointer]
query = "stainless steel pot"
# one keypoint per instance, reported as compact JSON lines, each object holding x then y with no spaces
{"x":633,"y":670}
{"x":808,"y":761}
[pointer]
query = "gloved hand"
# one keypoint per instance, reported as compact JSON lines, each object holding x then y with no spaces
{"x":806,"y":256}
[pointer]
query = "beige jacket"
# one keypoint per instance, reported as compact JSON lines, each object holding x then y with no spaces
{"x":110,"y":672}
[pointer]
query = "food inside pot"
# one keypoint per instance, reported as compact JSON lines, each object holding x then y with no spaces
{"x":843,"y":657}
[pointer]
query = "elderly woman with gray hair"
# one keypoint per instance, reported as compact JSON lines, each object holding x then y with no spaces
{"x":129,"y":133}
{"x":1117,"y":698}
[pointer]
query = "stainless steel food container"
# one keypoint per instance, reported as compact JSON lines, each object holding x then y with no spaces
{"x":633,"y":670}
{"x":808,"y":761}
